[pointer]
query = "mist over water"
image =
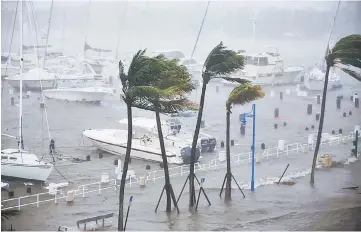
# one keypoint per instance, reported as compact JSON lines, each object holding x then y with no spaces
{"x":299,"y":30}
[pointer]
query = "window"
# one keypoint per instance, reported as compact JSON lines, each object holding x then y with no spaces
{"x":13,"y":158}
{"x":4,"y":157}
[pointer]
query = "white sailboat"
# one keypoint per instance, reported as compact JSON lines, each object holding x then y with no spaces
{"x":18,"y":162}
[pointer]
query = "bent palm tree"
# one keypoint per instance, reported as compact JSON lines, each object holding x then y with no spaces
{"x":239,"y":96}
{"x":138,"y":70}
{"x":219,"y":63}
{"x":346,"y":55}
{"x":170,"y":80}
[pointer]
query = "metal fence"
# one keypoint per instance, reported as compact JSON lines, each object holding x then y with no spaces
{"x":153,"y":176}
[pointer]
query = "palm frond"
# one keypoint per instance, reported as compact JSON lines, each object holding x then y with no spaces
{"x":347,"y":51}
{"x":232,"y":79}
{"x":243,"y":94}
{"x":122,"y":76}
{"x":353,"y":73}
{"x":222,"y":61}
{"x":6,"y":214}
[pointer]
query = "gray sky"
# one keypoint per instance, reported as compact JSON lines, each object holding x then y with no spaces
{"x":159,"y":25}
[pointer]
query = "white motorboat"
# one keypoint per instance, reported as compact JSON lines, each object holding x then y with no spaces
{"x":22,"y":164}
{"x":18,"y":162}
{"x":266,"y":69}
{"x":315,"y":79}
{"x":34,"y":80}
{"x":90,"y":91}
{"x":145,"y":144}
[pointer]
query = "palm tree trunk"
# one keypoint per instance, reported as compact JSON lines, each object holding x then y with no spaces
{"x":194,"y":145}
{"x":320,"y":126}
{"x":228,"y":155}
{"x":125,"y":167}
{"x":165,"y":162}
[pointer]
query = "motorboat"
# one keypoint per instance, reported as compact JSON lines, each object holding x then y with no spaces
{"x":34,"y":79}
{"x":25,"y":165}
{"x":89,"y":91}
{"x":266,"y":68}
{"x":145,"y":144}
{"x":19,"y":162}
{"x":314,"y":79}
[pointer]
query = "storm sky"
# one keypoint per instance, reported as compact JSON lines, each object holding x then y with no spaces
{"x":298,"y":29}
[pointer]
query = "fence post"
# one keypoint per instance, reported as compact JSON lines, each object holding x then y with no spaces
{"x":55,"y":197}
{"x":83,"y":191}
{"x":100,"y":187}
{"x":115,"y":184}
{"x":19,"y":203}
{"x":287,"y":149}
{"x":37,"y":200}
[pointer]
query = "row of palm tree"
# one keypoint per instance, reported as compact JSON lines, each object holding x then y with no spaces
{"x":160,"y":85}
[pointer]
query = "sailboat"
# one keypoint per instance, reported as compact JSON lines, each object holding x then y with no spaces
{"x":16,"y":162}
{"x":314,"y":79}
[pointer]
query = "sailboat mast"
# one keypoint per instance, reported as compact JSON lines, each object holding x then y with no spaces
{"x":87,"y":25}
{"x":329,"y":35}
{"x":21,"y":143}
{"x":254,"y":29}
{"x":47,"y":34}
{"x":63,"y":33}
{"x":122,"y":25}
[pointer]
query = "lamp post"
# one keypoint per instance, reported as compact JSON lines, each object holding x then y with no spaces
{"x":252,"y":115}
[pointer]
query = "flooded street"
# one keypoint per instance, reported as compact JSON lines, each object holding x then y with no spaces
{"x":271,"y":207}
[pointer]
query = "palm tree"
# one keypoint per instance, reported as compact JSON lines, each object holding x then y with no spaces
{"x":239,"y":96}
{"x":346,"y":55}
{"x":138,"y":70}
{"x":219,"y":63}
{"x":169,"y":80}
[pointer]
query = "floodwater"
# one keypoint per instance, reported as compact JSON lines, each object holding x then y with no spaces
{"x":324,"y":206}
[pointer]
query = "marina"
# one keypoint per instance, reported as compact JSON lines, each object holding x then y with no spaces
{"x":105,"y":126}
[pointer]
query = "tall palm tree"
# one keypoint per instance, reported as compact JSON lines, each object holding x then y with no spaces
{"x":169,"y":80}
{"x":138,"y":70}
{"x":239,"y":96}
{"x":346,"y":55}
{"x":219,"y":63}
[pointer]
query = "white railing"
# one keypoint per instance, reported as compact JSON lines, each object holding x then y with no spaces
{"x":152,"y":176}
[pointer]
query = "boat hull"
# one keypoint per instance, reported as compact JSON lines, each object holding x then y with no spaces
{"x":137,"y":152}
{"x":24,"y":171}
{"x":74,"y":94}
{"x":33,"y":85}
{"x":317,"y":85}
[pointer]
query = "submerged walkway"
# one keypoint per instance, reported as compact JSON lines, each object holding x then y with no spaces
{"x":292,"y":149}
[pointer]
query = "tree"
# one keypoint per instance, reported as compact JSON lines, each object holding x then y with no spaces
{"x":138,"y":71}
{"x":170,"y":81}
{"x":346,"y":55}
{"x":239,"y":96}
{"x":219,"y":63}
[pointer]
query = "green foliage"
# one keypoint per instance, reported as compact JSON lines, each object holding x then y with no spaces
{"x":346,"y":54}
{"x":243,"y":94}
{"x":221,"y":61}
